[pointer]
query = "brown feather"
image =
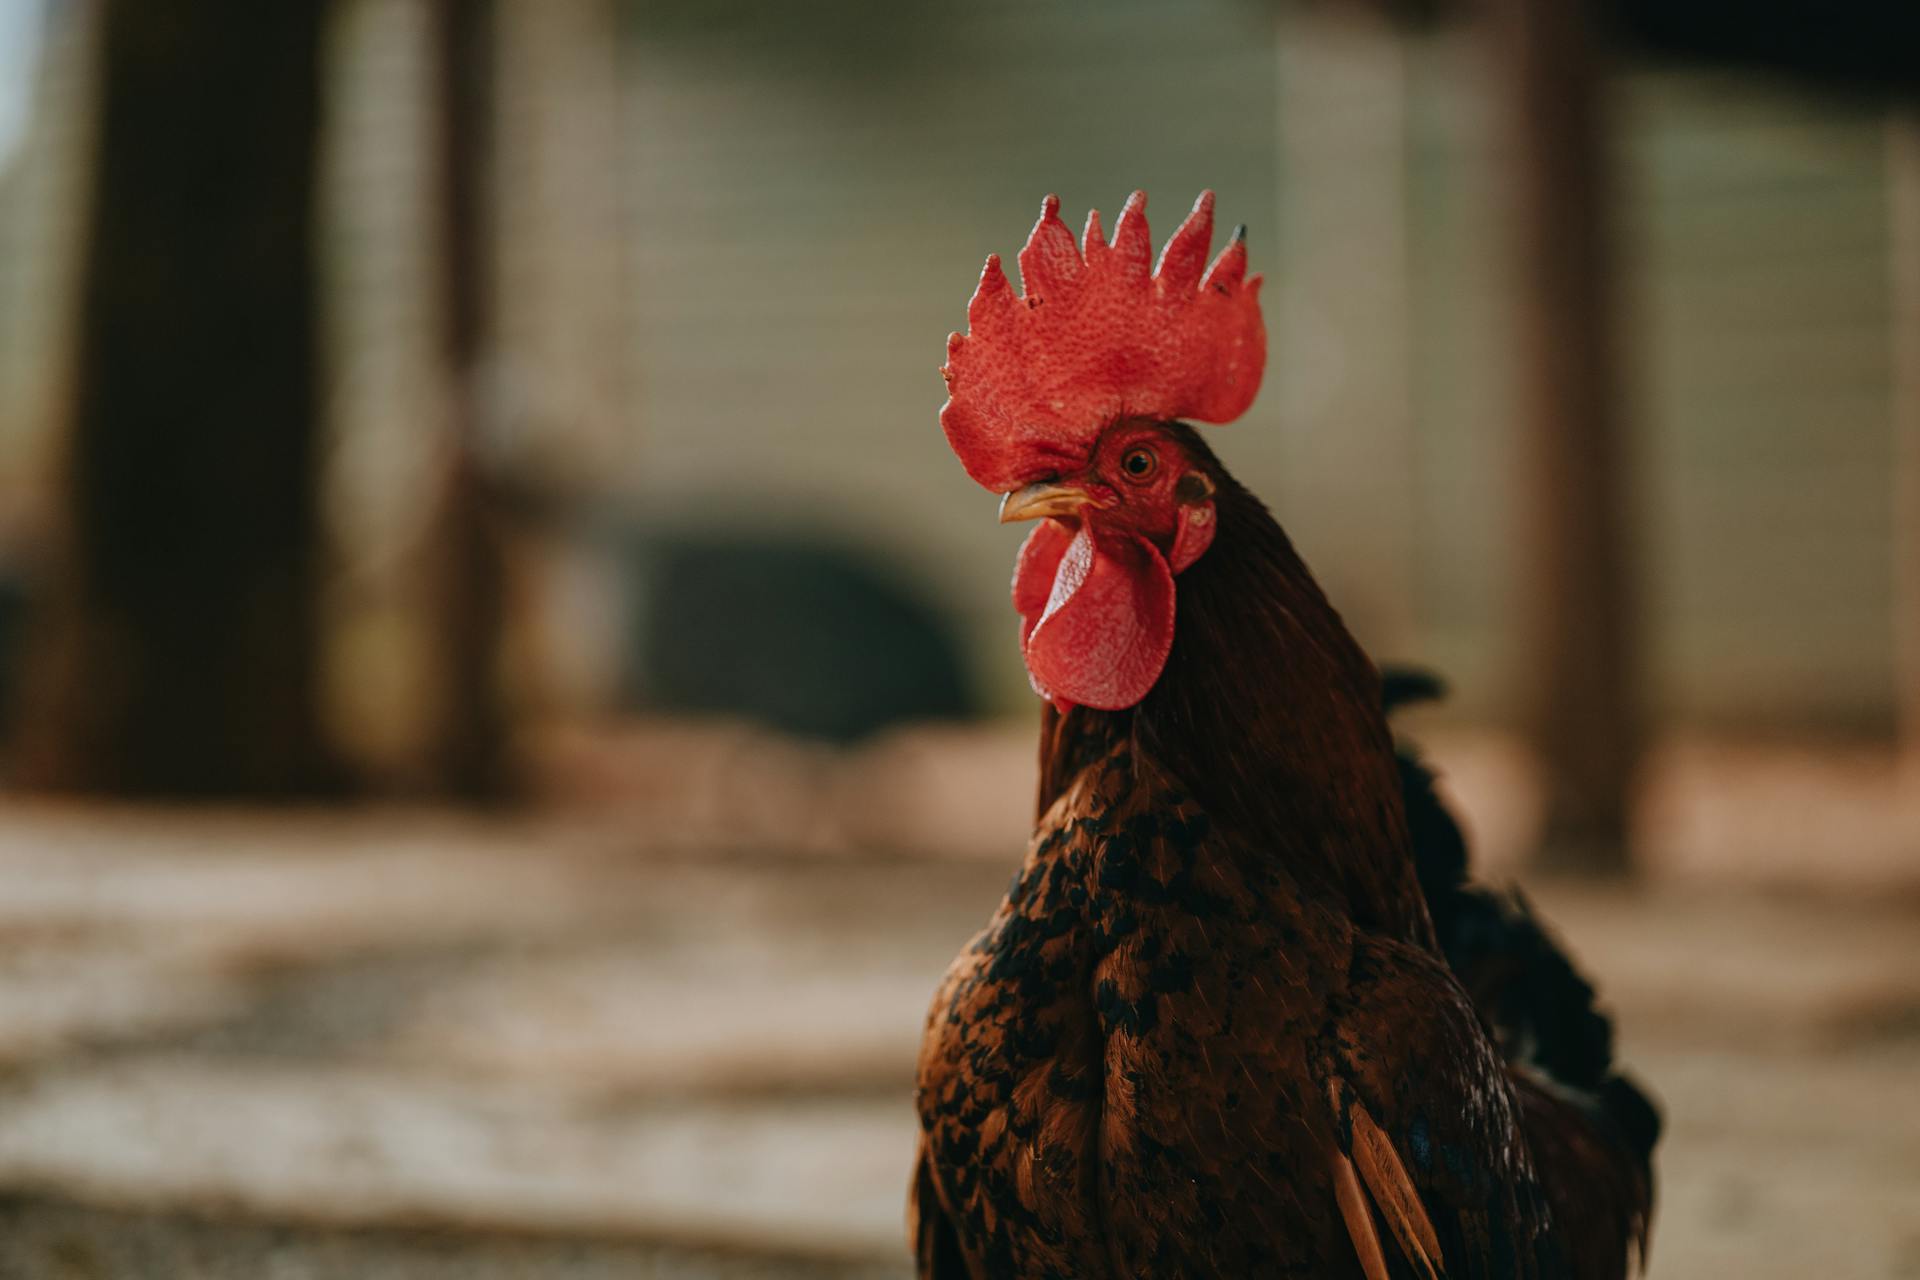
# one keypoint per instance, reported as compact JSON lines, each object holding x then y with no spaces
{"x":1359,"y":1219}
{"x":1395,"y":1193}
{"x":936,"y":1253}
{"x":1602,"y":1195}
{"x":1215,"y":967}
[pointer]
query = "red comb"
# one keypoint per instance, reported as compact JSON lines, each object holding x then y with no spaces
{"x":1094,"y":337}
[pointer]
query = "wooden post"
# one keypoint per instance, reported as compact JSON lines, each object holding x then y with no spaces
{"x":562,"y":323}
{"x":468,"y":746}
{"x":179,"y":655}
{"x":1903,"y":235}
{"x":1578,"y":629}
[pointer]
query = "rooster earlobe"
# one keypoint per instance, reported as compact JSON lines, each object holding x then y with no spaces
{"x":1194,"y":532}
{"x":1034,"y":571}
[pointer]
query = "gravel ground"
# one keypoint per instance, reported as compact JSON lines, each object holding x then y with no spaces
{"x":44,"y":1239}
{"x":413,"y":1045}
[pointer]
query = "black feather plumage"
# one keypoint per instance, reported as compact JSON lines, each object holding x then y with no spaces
{"x":1544,"y":1013}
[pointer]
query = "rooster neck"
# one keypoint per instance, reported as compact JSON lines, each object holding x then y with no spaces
{"x":1270,"y":713}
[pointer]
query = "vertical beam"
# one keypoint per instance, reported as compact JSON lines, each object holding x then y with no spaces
{"x":180,"y":657}
{"x":1343,"y":361}
{"x":469,"y":727}
{"x":563,"y":324}
{"x":563,"y":248}
{"x":1903,"y":235}
{"x":1578,"y":624}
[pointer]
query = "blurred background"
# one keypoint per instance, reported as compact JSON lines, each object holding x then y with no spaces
{"x":508,"y":704}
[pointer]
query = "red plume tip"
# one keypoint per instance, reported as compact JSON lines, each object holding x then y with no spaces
{"x":1030,"y":385}
{"x":1093,"y":237}
{"x":1132,"y":243}
{"x":1050,"y":263}
{"x":1229,"y":267}
{"x":1186,"y":251}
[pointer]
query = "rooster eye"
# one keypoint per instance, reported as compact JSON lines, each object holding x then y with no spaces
{"x":1139,"y":463}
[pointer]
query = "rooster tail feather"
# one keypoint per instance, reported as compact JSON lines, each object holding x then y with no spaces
{"x":1591,"y":1128}
{"x":1543,"y":1012}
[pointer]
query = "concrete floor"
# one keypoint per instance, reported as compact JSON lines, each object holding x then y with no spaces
{"x":316,"y":1045}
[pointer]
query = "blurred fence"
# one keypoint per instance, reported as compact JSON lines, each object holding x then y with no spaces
{"x":728,"y":239}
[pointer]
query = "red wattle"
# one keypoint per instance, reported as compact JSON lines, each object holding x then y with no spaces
{"x":1096,"y":615}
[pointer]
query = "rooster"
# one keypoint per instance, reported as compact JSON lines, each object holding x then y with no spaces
{"x":1234,"y":1016}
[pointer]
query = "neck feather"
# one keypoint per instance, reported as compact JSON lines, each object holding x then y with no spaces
{"x":1270,"y":713}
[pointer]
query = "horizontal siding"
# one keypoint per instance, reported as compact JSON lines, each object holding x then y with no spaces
{"x":804,"y":197}
{"x":809,"y":223}
{"x":1759,"y":312}
{"x":770,"y":190}
{"x":1753,"y":255}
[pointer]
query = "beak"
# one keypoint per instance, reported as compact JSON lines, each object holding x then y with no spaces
{"x":1037,"y":500}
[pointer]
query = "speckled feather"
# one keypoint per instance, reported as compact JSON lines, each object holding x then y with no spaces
{"x":1149,"y":1061}
{"x":1213,"y":969}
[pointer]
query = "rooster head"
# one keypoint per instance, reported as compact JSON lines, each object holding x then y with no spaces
{"x":1063,"y":397}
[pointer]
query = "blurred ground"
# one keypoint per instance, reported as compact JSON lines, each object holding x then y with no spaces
{"x":654,"y":1038}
